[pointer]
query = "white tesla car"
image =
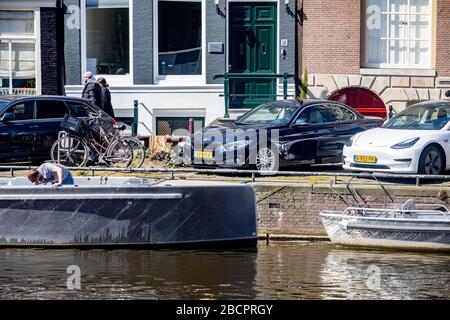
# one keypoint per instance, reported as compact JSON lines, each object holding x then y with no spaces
{"x":417,"y":140}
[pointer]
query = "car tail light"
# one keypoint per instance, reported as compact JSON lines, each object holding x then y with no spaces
{"x":114,"y":122}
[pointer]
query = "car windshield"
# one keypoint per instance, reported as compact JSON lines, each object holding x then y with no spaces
{"x":274,"y":114}
{"x":421,"y":117}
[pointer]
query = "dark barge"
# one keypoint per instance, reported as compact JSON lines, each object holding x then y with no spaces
{"x":127,"y":212}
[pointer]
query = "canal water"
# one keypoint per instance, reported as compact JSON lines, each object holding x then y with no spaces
{"x":278,"y":270}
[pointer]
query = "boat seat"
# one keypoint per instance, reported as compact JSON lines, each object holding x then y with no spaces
{"x":410,"y":204}
{"x":120,"y":126}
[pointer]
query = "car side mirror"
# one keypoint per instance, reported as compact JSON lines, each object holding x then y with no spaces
{"x":8,"y":116}
{"x":301,"y":123}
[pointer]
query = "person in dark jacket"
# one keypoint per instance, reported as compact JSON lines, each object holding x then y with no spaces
{"x":92,"y":90}
{"x":106,"y":96}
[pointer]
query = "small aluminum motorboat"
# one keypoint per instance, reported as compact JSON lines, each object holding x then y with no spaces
{"x":124,"y":211}
{"x":409,"y":226}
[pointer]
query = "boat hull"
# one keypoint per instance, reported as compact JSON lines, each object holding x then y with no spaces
{"x":162,"y":215}
{"x":386,"y":233}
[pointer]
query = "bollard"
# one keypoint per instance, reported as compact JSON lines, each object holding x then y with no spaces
{"x":285,"y":85}
{"x":134,"y":124}
{"x":226,"y":91}
{"x":191,"y":126}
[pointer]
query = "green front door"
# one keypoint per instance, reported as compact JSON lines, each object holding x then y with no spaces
{"x":252,"y":49}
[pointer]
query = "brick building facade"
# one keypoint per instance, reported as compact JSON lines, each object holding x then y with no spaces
{"x":398,"y":49}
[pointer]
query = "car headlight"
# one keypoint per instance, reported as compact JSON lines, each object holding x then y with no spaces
{"x":230,"y":146}
{"x":405,"y":144}
{"x":349,"y":142}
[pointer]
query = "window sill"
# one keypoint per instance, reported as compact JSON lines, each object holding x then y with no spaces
{"x":180,"y":81}
{"x":116,"y":80}
{"x":398,"y":72}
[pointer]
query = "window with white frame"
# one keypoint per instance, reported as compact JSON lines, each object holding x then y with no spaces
{"x":398,"y":33}
{"x":17,"y":52}
{"x":179,"y":37}
{"x":107,"y":37}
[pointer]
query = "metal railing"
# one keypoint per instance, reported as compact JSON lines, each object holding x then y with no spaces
{"x":18,"y":91}
{"x":251,"y":173}
{"x":250,"y":76}
{"x":132,"y":121}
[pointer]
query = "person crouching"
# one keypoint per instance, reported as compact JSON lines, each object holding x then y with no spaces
{"x":55,"y":174}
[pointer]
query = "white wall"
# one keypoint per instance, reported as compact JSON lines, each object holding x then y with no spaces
{"x":168,"y":101}
{"x":158,"y":101}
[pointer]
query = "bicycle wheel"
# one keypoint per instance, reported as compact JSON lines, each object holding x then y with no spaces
{"x":138,"y":151}
{"x":69,"y":151}
{"x":119,"y":155}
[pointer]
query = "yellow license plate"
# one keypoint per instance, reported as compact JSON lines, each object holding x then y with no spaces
{"x":365,"y":159}
{"x":203,"y":154}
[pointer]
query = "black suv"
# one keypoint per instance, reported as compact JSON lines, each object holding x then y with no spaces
{"x":30,"y":125}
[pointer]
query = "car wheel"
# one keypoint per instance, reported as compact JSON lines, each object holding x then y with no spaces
{"x":431,"y":161}
{"x":267,"y":159}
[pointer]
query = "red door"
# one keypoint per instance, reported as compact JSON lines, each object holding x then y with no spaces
{"x":362,"y":99}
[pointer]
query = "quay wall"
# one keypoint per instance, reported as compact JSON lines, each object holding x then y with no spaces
{"x":293,"y":209}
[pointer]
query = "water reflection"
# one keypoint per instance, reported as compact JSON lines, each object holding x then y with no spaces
{"x":128,"y":274}
{"x":290,"y":270}
{"x":276,"y":271}
{"x":383,"y":275}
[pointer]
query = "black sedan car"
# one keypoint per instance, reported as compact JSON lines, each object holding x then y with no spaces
{"x":279,"y":133}
{"x":30,"y":125}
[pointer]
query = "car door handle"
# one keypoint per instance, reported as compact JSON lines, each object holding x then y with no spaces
{"x":33,"y":127}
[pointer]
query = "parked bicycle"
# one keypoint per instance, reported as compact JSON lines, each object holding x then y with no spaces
{"x":82,"y":141}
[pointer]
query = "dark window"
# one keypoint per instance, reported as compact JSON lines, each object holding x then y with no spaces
{"x":167,"y":126}
{"x":340,"y":113}
{"x":23,"y":110}
{"x":316,"y":114}
{"x":180,"y":37}
{"x":51,"y":109}
{"x":80,"y":109}
{"x":107,"y":36}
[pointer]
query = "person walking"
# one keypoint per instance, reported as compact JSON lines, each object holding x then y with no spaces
{"x":50,"y":172}
{"x":106,"y":96}
{"x":92,"y":90}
